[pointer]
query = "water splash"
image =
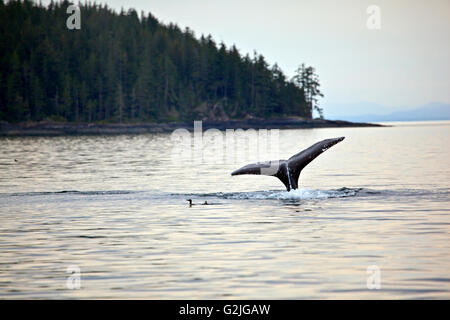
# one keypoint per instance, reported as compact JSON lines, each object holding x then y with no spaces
{"x":298,"y":194}
{"x":289,"y":176}
{"x":305,"y":194}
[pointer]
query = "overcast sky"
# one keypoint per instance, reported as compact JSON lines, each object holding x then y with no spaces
{"x":404,"y":63}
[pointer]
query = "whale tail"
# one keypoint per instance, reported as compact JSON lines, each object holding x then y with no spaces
{"x":288,"y":171}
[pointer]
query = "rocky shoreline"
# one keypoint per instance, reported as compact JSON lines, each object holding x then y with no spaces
{"x":58,"y":128}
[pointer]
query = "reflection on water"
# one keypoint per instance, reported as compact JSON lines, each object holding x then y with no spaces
{"x":116,"y":207}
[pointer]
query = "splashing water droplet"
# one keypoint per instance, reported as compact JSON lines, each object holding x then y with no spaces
{"x":289,"y":176}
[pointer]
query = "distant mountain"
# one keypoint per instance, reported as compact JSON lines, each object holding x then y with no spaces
{"x":344,"y":110}
{"x":430,"y":111}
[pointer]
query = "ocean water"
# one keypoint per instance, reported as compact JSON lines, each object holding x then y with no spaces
{"x":107,"y":217}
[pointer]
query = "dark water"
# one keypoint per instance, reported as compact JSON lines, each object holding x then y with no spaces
{"x":115,"y":207}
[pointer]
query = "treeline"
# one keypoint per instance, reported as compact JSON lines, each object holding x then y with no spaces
{"x":125,"y":67}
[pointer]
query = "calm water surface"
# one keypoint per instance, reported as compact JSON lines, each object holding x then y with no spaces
{"x":115,"y":206}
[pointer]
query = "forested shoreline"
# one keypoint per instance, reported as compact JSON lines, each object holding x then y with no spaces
{"x":127,"y":68}
{"x":45,"y":128}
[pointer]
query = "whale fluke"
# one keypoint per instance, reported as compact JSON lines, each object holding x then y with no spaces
{"x":288,"y":171}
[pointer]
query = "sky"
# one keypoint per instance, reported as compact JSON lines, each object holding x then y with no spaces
{"x":402,"y":64}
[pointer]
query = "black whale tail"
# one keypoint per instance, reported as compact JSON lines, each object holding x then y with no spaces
{"x":288,"y":171}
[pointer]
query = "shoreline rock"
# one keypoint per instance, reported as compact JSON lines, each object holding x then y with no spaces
{"x":59,"y":128}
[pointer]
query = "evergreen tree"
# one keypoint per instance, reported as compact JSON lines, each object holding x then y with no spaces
{"x":308,"y":81}
{"x":121,"y":67}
